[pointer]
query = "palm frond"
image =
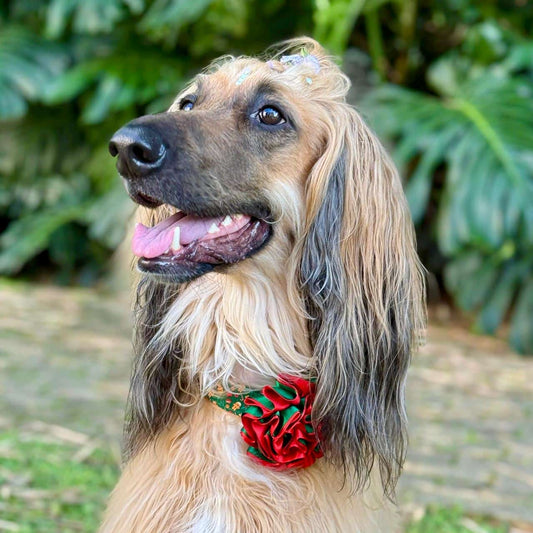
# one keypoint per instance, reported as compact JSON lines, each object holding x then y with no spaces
{"x":29,"y":64}
{"x":96,"y":16}
{"x":115,"y":82}
{"x":166,"y":18}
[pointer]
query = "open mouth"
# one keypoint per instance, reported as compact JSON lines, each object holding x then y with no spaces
{"x":184,"y":246}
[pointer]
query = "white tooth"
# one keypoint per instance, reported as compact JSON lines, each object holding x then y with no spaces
{"x":237,"y":217}
{"x":227,"y":221}
{"x":176,"y":239}
{"x":213,"y":229}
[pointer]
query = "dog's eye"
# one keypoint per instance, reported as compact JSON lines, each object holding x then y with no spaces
{"x":270,"y":116}
{"x":187,"y":103}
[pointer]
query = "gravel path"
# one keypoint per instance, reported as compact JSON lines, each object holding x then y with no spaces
{"x":65,"y":356}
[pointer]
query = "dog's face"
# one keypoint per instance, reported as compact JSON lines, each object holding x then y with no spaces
{"x":221,"y":161}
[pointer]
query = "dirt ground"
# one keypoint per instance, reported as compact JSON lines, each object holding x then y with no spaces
{"x":65,"y":357}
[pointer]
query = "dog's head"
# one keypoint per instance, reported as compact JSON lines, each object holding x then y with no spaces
{"x":263,"y":167}
{"x":226,"y":167}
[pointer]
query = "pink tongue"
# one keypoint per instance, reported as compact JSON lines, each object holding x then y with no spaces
{"x":152,"y":242}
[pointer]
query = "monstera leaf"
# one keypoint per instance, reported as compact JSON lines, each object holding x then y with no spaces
{"x":480,"y":131}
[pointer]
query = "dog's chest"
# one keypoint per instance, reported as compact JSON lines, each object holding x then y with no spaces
{"x":197,"y":479}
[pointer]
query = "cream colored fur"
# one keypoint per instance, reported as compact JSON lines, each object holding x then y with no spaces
{"x":196,"y":478}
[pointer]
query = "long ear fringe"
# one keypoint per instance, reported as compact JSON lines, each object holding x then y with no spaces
{"x":156,"y":382}
{"x":363,"y":289}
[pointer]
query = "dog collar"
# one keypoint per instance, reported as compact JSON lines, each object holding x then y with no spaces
{"x":276,"y":421}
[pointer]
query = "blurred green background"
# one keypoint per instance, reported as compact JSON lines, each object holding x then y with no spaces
{"x":448,"y":86}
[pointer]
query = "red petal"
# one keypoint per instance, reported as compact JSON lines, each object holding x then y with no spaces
{"x":303,"y":386}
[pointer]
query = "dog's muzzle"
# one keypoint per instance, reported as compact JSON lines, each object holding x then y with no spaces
{"x":206,"y":229}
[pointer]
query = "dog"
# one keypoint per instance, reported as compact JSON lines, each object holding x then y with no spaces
{"x":279,"y":300}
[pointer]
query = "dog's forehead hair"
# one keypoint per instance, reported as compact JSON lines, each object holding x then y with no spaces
{"x":237,"y":85}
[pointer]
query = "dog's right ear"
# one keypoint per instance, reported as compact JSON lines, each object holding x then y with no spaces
{"x":362,"y":287}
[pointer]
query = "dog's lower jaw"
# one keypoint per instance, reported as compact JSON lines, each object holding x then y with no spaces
{"x":196,"y":477}
{"x":179,"y":274}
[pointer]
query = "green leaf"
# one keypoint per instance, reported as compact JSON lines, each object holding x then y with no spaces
{"x":165,"y":18}
{"x":490,"y":134}
{"x":106,"y":94}
{"x":28,"y":65}
{"x":334,"y":20}
{"x":118,"y":82}
{"x":419,"y":185}
{"x":522,"y":321}
{"x":12,"y":103}
{"x":57,"y":17}
{"x":470,"y":278}
{"x":499,"y":301}
{"x":73,"y":82}
{"x":108,"y":216}
{"x":520,"y":57}
{"x":94,"y":16}
{"x":28,"y":236}
{"x":444,"y":76}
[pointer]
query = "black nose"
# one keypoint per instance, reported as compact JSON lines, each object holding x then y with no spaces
{"x":140,"y":150}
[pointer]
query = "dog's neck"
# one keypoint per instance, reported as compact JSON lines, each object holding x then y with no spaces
{"x":238,"y":329}
{"x":244,"y":326}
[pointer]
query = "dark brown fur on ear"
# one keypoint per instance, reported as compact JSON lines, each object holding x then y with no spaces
{"x":155,"y":382}
{"x":363,"y":290}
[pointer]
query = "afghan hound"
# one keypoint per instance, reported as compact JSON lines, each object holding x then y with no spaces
{"x":279,"y":299}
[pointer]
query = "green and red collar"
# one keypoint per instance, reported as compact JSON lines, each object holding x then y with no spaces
{"x":276,"y":421}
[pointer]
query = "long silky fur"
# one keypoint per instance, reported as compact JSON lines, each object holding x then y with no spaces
{"x":362,"y":345}
{"x":336,"y":294}
{"x":154,"y":386}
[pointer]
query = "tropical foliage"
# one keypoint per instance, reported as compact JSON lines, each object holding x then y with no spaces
{"x":452,"y":93}
{"x":467,"y":146}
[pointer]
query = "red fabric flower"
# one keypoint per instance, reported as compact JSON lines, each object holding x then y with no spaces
{"x":277,"y":424}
